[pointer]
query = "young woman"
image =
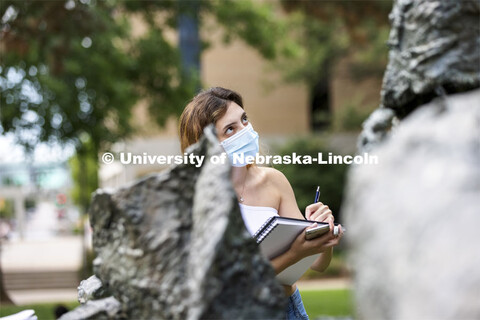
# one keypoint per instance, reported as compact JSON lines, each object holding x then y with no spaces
{"x":262,"y":192}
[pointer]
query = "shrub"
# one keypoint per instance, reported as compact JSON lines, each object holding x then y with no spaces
{"x":305,"y":178}
{"x":352,"y":118}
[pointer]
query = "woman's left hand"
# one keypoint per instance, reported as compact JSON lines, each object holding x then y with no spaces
{"x":336,"y":236}
{"x":320,"y":212}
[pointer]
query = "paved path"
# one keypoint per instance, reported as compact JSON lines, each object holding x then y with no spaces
{"x":23,"y":297}
{"x":61,"y":253}
{"x":42,"y":253}
{"x":325,"y":284}
{"x":42,"y":249}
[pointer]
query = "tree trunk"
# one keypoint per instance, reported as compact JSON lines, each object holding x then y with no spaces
{"x":4,"y":297}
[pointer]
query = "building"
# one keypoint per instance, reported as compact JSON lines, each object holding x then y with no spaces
{"x":278,"y":110}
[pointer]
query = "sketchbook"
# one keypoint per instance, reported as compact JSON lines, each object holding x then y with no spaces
{"x":276,"y":236}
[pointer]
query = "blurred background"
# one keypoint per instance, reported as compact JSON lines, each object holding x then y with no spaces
{"x":83,"y":77}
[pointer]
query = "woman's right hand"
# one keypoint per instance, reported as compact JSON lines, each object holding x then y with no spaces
{"x":302,"y":247}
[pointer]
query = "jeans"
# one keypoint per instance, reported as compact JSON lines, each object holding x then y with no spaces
{"x":295,"y":309}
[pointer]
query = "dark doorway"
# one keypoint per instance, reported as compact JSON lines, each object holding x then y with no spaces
{"x":320,"y":113}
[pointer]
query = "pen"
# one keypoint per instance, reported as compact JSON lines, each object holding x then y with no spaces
{"x":317,"y":194}
{"x":317,"y":197}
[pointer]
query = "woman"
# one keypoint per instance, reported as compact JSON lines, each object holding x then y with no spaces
{"x":262,"y":192}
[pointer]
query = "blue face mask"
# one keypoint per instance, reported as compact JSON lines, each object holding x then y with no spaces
{"x":242,"y":144}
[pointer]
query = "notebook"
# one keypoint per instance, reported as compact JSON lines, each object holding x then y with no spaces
{"x":276,"y":236}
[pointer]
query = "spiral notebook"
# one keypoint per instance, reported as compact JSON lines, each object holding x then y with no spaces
{"x":276,"y":236}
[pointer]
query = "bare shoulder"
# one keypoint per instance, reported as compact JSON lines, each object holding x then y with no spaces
{"x":276,"y":177}
{"x":287,"y":203}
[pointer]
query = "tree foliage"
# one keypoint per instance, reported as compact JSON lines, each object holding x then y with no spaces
{"x":62,"y":73}
{"x":73,"y":68}
{"x":328,"y":30}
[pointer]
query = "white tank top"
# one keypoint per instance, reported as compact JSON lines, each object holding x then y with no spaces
{"x":254,"y":217}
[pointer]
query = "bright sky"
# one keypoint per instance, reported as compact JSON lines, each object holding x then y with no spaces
{"x":10,"y":152}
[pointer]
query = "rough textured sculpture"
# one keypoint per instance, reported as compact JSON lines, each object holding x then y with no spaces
{"x":434,"y":51}
{"x":174,"y":246}
{"x":413,"y":218}
{"x":90,"y":289}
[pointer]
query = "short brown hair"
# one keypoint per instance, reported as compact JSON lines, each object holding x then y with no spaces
{"x":205,"y":108}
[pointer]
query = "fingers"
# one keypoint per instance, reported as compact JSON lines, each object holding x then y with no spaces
{"x":332,"y":242}
{"x":330,"y":222}
{"x":303,"y":247}
{"x":328,"y":240}
{"x":309,"y":210}
{"x":322,"y":213}
{"x":329,"y":244}
{"x":319,"y":241}
{"x":312,"y":226}
{"x":323,"y":216}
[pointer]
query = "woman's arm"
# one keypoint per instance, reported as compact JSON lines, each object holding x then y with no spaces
{"x":283,"y":261}
{"x":287,"y":205}
{"x":320,"y":212}
{"x":323,"y":261}
{"x":302,"y":248}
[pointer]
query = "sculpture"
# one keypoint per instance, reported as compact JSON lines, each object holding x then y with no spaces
{"x":434,"y":51}
{"x":412,"y":218}
{"x":174,"y":246}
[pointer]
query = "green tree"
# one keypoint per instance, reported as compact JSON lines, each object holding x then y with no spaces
{"x":84,"y":168}
{"x":71,"y":71}
{"x":327,"y":31}
{"x":73,"y":68}
{"x":331,"y":29}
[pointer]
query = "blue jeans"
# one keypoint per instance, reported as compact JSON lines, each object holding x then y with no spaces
{"x":295,"y":309}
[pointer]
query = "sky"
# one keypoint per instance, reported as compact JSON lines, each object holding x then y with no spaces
{"x":11,"y":153}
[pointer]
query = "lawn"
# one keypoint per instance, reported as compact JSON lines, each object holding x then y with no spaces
{"x":317,"y":303}
{"x":44,"y":311}
{"x":328,"y":302}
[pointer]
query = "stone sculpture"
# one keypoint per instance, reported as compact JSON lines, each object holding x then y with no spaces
{"x":413,"y":218}
{"x":174,"y":246}
{"x":434,"y":51}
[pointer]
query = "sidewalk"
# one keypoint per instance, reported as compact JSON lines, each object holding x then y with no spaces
{"x":43,"y":248}
{"x":44,"y":266}
{"x":325,"y":284}
{"x":42,"y":271}
{"x":23,"y":297}
{"x":59,"y":253}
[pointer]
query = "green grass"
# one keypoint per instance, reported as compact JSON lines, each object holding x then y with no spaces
{"x":317,"y":303}
{"x":44,"y":311}
{"x":328,"y":302}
